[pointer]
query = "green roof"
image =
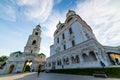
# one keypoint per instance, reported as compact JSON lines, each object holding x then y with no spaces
{"x":17,"y":52}
{"x":41,"y":54}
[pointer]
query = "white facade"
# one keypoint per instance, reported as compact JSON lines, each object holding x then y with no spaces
{"x":18,"y":61}
{"x":75,"y":46}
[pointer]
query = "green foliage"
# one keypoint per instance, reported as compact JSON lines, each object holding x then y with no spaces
{"x":27,"y":68}
{"x":3,"y":58}
{"x":112,"y":72}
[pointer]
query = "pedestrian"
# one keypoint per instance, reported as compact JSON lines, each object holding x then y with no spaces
{"x":38,"y":71}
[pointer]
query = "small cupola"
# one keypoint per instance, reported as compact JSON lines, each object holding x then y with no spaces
{"x":58,"y":25}
{"x":70,"y":12}
{"x":38,"y":26}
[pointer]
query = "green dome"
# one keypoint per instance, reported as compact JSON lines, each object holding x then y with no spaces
{"x":17,"y":52}
{"x":41,"y":54}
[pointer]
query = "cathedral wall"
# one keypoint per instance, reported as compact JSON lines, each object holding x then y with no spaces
{"x":52,"y":51}
{"x":78,"y":33}
{"x":78,"y":50}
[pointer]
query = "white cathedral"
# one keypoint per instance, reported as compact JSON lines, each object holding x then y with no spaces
{"x":29,"y":60}
{"x":75,"y":46}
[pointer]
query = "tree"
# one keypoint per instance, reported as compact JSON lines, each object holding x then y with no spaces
{"x":3,"y":58}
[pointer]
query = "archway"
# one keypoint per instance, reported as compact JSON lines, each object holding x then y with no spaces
{"x":85,"y":57}
{"x":53,"y":64}
{"x":77,"y":60}
{"x":66,"y":61}
{"x":11,"y":69}
{"x":27,"y":65}
{"x":59,"y":62}
{"x":72,"y":59}
{"x":92,"y":56}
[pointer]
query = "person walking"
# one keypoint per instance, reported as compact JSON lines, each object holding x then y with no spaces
{"x":38,"y":72}
{"x":39,"y":69}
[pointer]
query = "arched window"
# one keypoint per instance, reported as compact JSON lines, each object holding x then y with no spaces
{"x":34,"y":42}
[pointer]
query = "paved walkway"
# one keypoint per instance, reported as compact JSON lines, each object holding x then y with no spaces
{"x":49,"y":76}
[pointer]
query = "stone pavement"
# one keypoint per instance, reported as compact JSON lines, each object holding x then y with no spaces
{"x":49,"y":76}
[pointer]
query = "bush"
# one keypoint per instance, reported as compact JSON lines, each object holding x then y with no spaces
{"x":112,"y":72}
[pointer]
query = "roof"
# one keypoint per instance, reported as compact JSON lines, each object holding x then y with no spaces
{"x":41,"y":54}
{"x":17,"y":52}
{"x":38,"y":26}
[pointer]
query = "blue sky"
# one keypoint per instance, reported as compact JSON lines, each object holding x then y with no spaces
{"x":19,"y":17}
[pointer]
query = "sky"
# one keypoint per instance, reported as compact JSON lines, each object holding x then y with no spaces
{"x":19,"y":17}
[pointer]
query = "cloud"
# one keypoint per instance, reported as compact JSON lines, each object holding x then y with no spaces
{"x":7,"y":13}
{"x":36,"y":10}
{"x":51,"y":23}
{"x":103,"y":17}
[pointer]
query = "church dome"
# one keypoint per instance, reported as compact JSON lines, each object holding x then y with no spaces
{"x":70,"y":12}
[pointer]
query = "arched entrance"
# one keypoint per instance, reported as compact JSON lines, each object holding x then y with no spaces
{"x":85,"y":57}
{"x":27,"y":65}
{"x":73,"y":59}
{"x":11,"y":69}
{"x":92,"y":56}
{"x":77,"y":60}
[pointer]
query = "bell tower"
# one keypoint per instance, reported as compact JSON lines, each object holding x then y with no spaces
{"x":33,"y":43}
